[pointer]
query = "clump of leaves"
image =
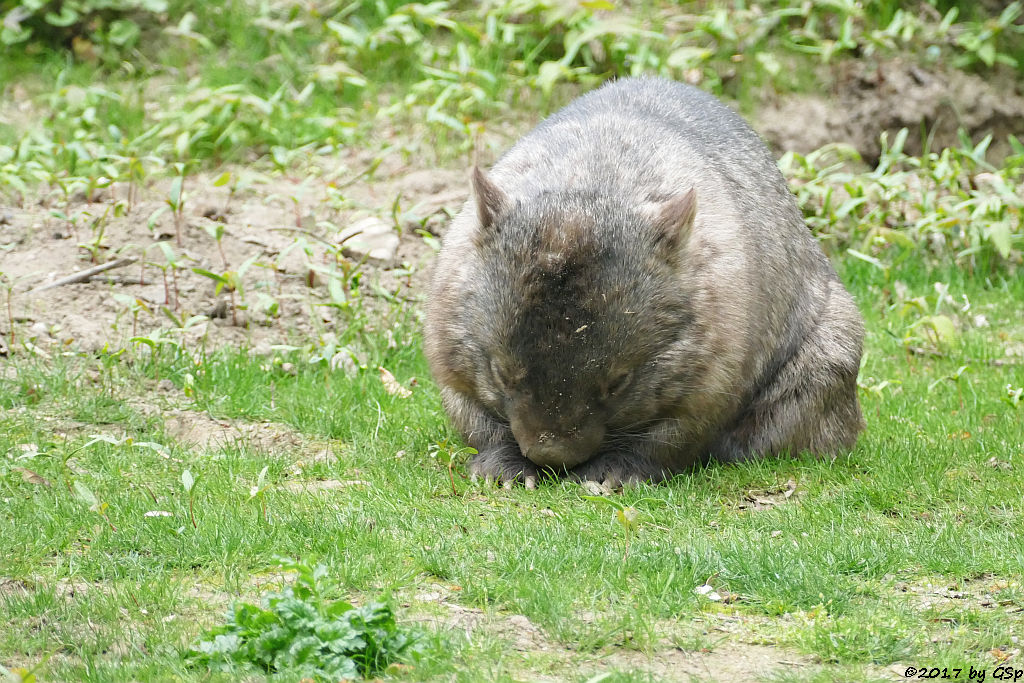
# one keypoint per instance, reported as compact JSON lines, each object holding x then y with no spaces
{"x":301,"y":632}
{"x":943,"y":206}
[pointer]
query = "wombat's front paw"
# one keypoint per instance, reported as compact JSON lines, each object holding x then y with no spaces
{"x":503,"y":464}
{"x":613,"y":470}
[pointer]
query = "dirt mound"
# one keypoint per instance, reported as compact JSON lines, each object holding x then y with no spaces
{"x":869,"y":99}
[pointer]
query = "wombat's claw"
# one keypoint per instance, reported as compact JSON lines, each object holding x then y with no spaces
{"x":505,"y":467}
{"x":529,"y":481}
{"x":608,"y":472}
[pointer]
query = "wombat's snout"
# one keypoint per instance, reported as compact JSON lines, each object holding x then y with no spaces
{"x":558,"y":450}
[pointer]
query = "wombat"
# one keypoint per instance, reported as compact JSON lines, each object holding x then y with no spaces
{"x":632,"y":290}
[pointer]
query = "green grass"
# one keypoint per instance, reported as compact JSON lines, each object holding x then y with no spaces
{"x":837,"y":571}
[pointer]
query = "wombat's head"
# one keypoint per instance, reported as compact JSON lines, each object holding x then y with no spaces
{"x":575,"y":314}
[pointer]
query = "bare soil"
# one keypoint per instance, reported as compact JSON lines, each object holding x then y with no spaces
{"x":869,"y":98}
{"x":284,"y":298}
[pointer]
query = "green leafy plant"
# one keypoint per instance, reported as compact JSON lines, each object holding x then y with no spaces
{"x":301,"y":632}
{"x":110,"y":22}
{"x":1014,"y":396}
{"x":948,"y":205}
{"x":982,"y":40}
{"x":8,"y":282}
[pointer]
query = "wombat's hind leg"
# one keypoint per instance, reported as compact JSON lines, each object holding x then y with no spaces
{"x":812,"y":403}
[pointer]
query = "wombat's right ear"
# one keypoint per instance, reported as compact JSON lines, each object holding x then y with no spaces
{"x":490,"y":199}
{"x":673,"y":219}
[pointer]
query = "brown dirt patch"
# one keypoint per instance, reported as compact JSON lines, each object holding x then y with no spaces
{"x":988,"y":593}
{"x":731,"y":659}
{"x":871,"y":98}
{"x":202,"y":432}
{"x":291,"y":225}
{"x":730,"y":662}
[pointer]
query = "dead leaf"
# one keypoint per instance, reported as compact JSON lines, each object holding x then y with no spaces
{"x":157,"y":513}
{"x":391,"y":384}
{"x":1000,"y":655}
{"x":32,"y":477}
{"x":708,"y":592}
{"x":762,"y":500}
{"x":753,"y":502}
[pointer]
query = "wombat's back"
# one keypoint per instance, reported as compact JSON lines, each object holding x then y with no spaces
{"x":640,"y":138}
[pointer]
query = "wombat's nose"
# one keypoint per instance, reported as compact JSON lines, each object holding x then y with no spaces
{"x":557,"y":451}
{"x":554,"y":455}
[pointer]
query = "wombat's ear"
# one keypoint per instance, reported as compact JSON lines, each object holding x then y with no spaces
{"x":673,"y":219}
{"x":490,"y":199}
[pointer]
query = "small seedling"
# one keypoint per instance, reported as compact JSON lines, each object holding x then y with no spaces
{"x":449,"y":456}
{"x":189,"y":483}
{"x":171,"y":263}
{"x":99,"y":227}
{"x":625,"y":516}
{"x":156,"y":341}
{"x":8,"y":284}
{"x":215,"y":229}
{"x":956,"y":378}
{"x":258,"y":489}
{"x":222,"y":180}
{"x":135,"y":306}
{"x":230,"y":280}
{"x":176,"y":200}
{"x":84,"y":494}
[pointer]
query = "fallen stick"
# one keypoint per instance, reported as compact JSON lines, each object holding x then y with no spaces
{"x":118,"y":280}
{"x":84,"y":275}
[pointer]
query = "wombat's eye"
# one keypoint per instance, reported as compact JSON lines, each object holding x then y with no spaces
{"x":618,"y":383}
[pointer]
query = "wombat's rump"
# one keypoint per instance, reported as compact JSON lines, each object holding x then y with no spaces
{"x":632,"y":289}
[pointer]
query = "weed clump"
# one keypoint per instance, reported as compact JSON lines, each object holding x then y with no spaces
{"x":300,"y":632}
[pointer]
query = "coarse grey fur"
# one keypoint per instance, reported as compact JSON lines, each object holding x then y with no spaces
{"x":632,"y":290}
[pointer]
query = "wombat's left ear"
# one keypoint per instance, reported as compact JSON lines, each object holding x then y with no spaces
{"x":673,"y":219}
{"x":490,"y":199}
